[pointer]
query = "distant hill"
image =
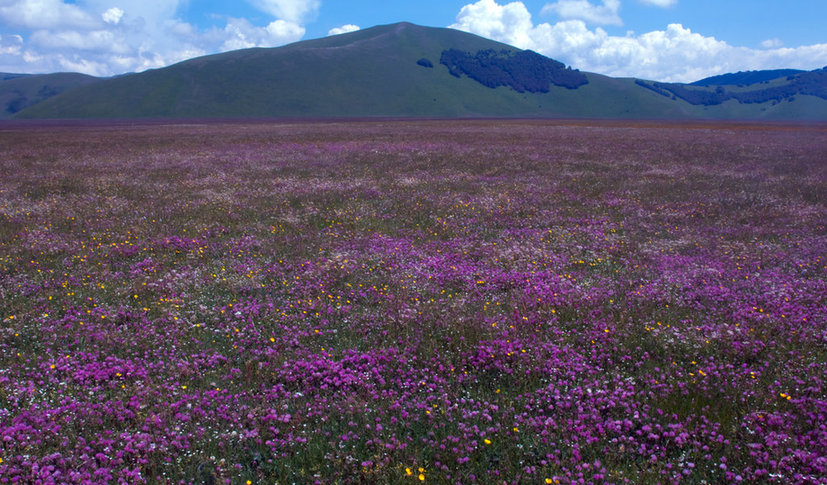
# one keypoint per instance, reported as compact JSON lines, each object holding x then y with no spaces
{"x":746,"y":78}
{"x":803,"y":83}
{"x":405,"y":70}
{"x":19,"y":91}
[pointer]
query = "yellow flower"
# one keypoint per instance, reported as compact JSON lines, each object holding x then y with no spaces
{"x":408,"y":471}
{"x":421,"y":477}
{"x":487,"y":441}
{"x":549,"y":480}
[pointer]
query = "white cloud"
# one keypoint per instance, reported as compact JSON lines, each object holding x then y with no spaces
{"x":96,"y":41}
{"x":660,"y":3}
{"x":241,"y":34}
{"x":343,"y":29}
{"x":78,"y":64}
{"x":290,"y":10}
{"x":605,"y":14}
{"x":10,"y":44}
{"x":772,"y":44}
{"x":674,"y":54}
{"x":106,"y":37}
{"x":509,"y":23}
{"x":282,"y":32}
{"x":146,"y":11}
{"x":112,"y":16}
{"x":32,"y":58}
{"x":44,"y":14}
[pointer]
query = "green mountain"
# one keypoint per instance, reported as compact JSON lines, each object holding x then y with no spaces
{"x":407,"y":70}
{"x":19,"y":91}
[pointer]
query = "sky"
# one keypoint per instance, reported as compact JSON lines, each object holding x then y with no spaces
{"x":664,"y":40}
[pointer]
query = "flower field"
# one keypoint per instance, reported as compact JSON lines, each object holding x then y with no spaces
{"x":407,"y":302}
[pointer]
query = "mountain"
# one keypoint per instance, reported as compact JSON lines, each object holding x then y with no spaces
{"x":391,"y":70}
{"x":403,"y":70}
{"x":19,"y":91}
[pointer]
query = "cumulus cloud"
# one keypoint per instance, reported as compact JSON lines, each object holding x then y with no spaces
{"x":106,"y":37}
{"x":509,"y":23}
{"x":343,"y":29}
{"x":674,"y":54}
{"x":604,"y":14}
{"x":10,"y":44}
{"x":97,"y":38}
{"x":44,"y":14}
{"x":112,"y":16}
{"x":95,"y":41}
{"x":241,"y":34}
{"x":772,"y":44}
{"x":290,"y":10}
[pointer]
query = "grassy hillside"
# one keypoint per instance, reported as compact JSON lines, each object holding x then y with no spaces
{"x":372,"y":72}
{"x":19,"y":91}
{"x":394,"y":70}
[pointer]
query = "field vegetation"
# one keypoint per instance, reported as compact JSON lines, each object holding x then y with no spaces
{"x":406,"y":302}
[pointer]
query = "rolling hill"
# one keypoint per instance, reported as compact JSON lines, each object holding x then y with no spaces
{"x":19,"y":91}
{"x":404,"y":70}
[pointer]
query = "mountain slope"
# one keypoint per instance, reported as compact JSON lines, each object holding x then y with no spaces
{"x":371,"y":72}
{"x":397,"y":70}
{"x":19,"y":91}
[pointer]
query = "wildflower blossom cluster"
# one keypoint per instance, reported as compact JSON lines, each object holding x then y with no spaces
{"x":406,"y":302}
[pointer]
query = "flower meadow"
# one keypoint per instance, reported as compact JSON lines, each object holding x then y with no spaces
{"x":411,"y":302}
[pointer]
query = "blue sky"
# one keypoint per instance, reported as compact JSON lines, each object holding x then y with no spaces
{"x":668,"y":40}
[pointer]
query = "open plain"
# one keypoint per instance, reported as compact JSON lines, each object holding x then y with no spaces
{"x":413,"y":301}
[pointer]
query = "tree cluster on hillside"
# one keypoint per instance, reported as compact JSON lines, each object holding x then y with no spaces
{"x":746,"y":78}
{"x":811,"y":83}
{"x":17,"y":100}
{"x":17,"y":103}
{"x":520,"y":70}
{"x":689,"y":94}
